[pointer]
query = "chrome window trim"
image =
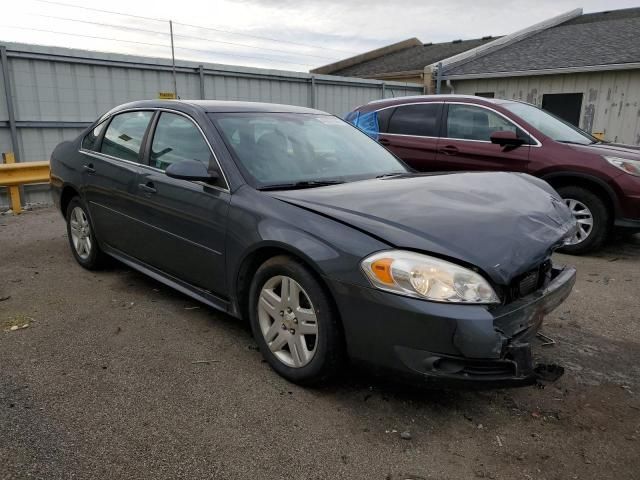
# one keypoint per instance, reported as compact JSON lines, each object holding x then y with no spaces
{"x":536,"y":145}
{"x":169,"y":110}
{"x":407,"y":104}
{"x":100,"y":155}
{"x":407,"y":135}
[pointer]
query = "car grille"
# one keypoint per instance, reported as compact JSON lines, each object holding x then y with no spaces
{"x":530,"y":281}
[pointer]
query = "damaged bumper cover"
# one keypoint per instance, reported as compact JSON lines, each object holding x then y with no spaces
{"x":451,"y":342}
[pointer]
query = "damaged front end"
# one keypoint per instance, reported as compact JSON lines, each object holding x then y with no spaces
{"x":496,"y":351}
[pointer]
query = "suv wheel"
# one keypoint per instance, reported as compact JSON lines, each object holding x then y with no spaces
{"x":294,"y":322}
{"x":82,"y":239}
{"x":592,"y":215}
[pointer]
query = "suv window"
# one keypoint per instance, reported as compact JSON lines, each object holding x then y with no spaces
{"x":123,"y":138}
{"x":421,"y":120}
{"x":176,"y":138}
{"x":90,"y":139}
{"x":469,"y":122}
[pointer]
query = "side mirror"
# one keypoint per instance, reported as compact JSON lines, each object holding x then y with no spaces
{"x":506,"y":138}
{"x":191,"y":170}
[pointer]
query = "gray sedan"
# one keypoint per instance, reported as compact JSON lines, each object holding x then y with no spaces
{"x":327,"y":243}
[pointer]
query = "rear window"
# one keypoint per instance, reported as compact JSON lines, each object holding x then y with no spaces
{"x":123,"y":138}
{"x":421,"y":120}
{"x":90,"y":139}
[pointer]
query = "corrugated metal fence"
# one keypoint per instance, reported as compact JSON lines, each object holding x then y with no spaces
{"x":49,"y":94}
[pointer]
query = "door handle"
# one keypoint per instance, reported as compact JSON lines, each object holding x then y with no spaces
{"x":449,"y":150}
{"x":148,"y":187}
{"x":89,"y":168}
{"x":384,"y":141}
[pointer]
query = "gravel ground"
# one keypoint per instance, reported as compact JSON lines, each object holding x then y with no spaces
{"x":102,"y":384}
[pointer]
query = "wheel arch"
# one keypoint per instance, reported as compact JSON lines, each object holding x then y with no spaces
{"x":594,"y":184}
{"x":68,"y":192}
{"x":256,"y":257}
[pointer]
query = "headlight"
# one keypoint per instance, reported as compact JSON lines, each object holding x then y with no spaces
{"x":624,"y":164}
{"x":422,"y":276}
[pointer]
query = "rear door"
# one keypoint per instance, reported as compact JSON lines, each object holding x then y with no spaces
{"x":411,"y":132}
{"x":111,"y":167}
{"x":466,"y":140}
{"x":185,"y":220}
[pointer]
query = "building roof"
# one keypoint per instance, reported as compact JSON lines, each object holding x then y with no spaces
{"x":408,"y":56}
{"x":593,"y":39}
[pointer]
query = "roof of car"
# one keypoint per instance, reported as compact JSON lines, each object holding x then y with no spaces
{"x":440,"y":98}
{"x":221,"y":106}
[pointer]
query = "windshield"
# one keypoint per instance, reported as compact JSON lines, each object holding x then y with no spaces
{"x":289,"y":148}
{"x":551,"y":126}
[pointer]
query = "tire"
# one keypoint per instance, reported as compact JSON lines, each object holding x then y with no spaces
{"x":91,"y":257}
{"x":272,"y":324}
{"x":600,"y":215}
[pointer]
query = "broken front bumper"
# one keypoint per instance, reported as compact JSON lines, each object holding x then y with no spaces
{"x":469,"y":343}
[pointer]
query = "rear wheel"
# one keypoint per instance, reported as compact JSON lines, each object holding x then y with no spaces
{"x":81,"y":235}
{"x":294,"y":322}
{"x":592,"y":215}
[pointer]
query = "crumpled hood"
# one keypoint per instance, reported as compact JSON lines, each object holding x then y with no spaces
{"x":503,"y":223}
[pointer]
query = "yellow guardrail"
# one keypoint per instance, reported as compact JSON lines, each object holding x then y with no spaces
{"x":13,"y":175}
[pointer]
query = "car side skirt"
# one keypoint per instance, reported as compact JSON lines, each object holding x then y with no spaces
{"x":192,"y":291}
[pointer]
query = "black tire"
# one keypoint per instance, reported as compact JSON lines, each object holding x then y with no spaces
{"x":96,"y":258}
{"x":329,"y":355}
{"x":601,"y":219}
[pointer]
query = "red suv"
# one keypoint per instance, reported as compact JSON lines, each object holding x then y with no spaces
{"x":599,"y":181}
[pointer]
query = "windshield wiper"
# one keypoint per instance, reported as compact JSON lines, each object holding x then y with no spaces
{"x":572,"y":142}
{"x":386,"y":175}
{"x":301,"y":184}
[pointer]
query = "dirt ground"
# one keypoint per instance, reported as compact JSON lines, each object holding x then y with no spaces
{"x":107,"y":382}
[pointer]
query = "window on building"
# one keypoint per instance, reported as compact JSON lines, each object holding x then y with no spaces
{"x":567,"y":106}
{"x":485,"y":94}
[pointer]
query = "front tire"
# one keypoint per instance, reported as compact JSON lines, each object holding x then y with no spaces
{"x":592,"y":215}
{"x":81,"y":234}
{"x":295,"y":323}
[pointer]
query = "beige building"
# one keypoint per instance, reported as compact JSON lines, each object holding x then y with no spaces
{"x":585,"y":68}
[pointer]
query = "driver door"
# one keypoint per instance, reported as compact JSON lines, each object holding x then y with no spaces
{"x":186,"y":220}
{"x":466,"y":143}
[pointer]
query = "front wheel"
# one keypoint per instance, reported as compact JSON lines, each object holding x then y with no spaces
{"x":593,"y":217}
{"x":295,"y":323}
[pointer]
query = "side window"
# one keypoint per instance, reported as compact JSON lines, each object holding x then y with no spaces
{"x":383,"y":118}
{"x":468,"y":122}
{"x":176,"y":138}
{"x":90,"y":139}
{"x":421,"y":120}
{"x":123,"y":138}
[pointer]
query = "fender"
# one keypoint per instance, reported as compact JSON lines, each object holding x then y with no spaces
{"x":611,"y":194}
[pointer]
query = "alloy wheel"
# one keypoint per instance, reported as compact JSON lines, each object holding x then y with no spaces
{"x":80,"y":233}
{"x":583,"y":217}
{"x":288,"y":321}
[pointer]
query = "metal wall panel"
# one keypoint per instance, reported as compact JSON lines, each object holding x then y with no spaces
{"x":610,"y":101}
{"x":53,"y":85}
{"x":4,"y":115}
